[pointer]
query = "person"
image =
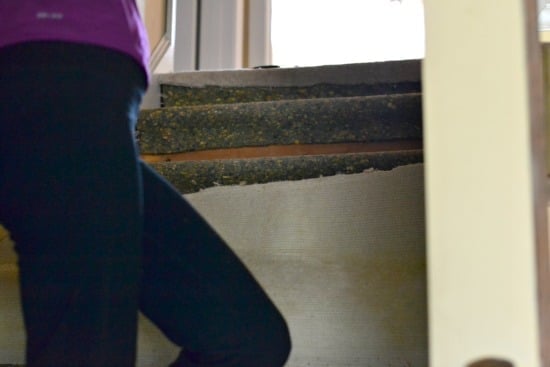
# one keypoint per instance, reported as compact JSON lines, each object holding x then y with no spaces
{"x":99,"y":235}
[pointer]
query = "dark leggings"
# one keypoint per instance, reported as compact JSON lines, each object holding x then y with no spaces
{"x":99,"y":235}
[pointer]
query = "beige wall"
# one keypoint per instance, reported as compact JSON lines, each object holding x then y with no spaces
{"x":480,"y":183}
{"x":155,"y":21}
{"x":546,"y":73}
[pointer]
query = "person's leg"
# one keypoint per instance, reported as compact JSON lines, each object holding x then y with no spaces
{"x":199,"y":293}
{"x":70,"y":196}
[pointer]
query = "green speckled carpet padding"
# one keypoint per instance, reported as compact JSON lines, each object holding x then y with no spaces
{"x":357,"y":103}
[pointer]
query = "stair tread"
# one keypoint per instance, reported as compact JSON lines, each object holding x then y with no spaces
{"x":176,"y":96}
{"x":364,"y":73}
{"x":193,"y":176}
{"x":231,"y":86}
{"x":316,"y":121}
{"x":376,"y":105}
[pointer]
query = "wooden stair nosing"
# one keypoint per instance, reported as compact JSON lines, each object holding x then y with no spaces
{"x":285,"y":151}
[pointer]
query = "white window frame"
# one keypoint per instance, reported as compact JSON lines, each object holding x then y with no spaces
{"x":209,"y":34}
{"x":166,"y":42}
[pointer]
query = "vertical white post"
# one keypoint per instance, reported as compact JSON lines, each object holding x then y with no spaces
{"x":480,"y":182}
{"x":185,"y":41}
{"x":259,"y":38}
{"x":221,"y":34}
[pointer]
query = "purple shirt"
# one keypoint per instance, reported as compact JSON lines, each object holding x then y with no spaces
{"x":115,"y":24}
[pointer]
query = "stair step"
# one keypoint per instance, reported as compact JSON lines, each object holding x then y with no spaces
{"x":304,"y":121}
{"x":173,"y":96}
{"x":193,"y":176}
{"x":238,"y":127}
{"x":235,"y":86}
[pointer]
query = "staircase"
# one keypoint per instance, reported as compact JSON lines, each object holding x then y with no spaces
{"x":257,"y":126}
{"x":314,"y":177}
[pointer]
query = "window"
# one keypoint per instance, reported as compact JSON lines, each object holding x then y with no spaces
{"x":321,"y":32}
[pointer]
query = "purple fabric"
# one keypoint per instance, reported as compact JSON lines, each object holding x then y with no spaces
{"x":115,"y":24}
